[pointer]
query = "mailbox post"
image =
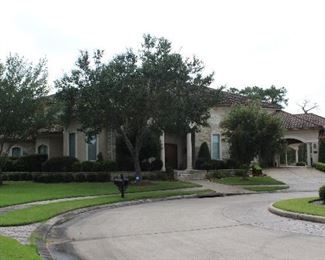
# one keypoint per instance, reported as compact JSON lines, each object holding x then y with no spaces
{"x":122,"y":184}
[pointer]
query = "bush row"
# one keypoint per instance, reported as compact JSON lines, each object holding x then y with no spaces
{"x":322,"y":193}
{"x":56,"y":177}
{"x":223,"y":173}
{"x":203,"y":164}
{"x":320,"y":166}
{"x":29,"y":163}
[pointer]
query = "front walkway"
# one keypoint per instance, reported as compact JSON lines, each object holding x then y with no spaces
{"x":221,"y":188}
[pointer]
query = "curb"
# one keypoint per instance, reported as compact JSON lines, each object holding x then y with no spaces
{"x":298,"y":216}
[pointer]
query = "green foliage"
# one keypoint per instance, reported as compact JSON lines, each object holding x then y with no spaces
{"x":22,"y":103}
{"x":322,"y":193}
{"x":321,"y":151}
{"x":320,"y":166}
{"x":223,"y":173}
{"x":153,"y":88}
{"x":256,"y":170}
{"x":300,"y":164}
{"x":270,"y":95}
{"x":59,"y":164}
{"x":204,"y":152}
{"x":251,"y":131}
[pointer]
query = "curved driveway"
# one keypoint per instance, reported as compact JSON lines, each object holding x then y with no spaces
{"x":237,"y":227}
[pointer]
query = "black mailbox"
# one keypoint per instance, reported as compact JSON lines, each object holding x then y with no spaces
{"x":122,"y":184}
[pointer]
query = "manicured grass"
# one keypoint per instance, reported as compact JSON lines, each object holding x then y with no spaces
{"x":11,"y":249}
{"x":266,"y":188}
{"x":12,"y":193}
{"x":43,"y":212}
{"x":265,"y":180}
{"x":301,"y":205}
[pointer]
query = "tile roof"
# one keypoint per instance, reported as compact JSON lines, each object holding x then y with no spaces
{"x":316,"y":119}
{"x":291,"y":121}
{"x":228,"y":99}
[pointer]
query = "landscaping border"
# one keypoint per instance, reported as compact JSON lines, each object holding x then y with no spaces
{"x":293,"y":215}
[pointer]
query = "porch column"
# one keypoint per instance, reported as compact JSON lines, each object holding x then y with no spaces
{"x":308,"y":154}
{"x":286,"y":155}
{"x":297,"y":155}
{"x":162,"y":151}
{"x":189,"y":151}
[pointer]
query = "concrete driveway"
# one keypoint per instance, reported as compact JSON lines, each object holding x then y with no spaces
{"x":299,"y":178}
{"x":237,"y":227}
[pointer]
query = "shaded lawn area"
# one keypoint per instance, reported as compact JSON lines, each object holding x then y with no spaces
{"x":264,"y":180}
{"x":12,"y":249}
{"x":301,"y":205}
{"x":43,"y":212}
{"x":12,"y":193}
{"x":267,"y":188}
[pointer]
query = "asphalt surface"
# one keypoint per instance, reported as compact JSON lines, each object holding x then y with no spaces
{"x":237,"y":227}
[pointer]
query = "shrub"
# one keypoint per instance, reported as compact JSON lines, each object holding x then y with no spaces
{"x":91,"y":177}
{"x":321,"y":155}
{"x":125,"y":164}
{"x":322,"y":193}
{"x":256,"y":170}
{"x":170,"y":174}
{"x":223,"y":173}
{"x":231,"y":164}
{"x":76,"y":167}
{"x":300,"y":164}
{"x":103,"y":177}
{"x":145,"y":166}
{"x":30,"y":163}
{"x":203,"y":157}
{"x":156,"y":165}
{"x":320,"y":166}
{"x":109,"y":166}
{"x":59,"y":164}
{"x":80,"y":177}
{"x":88,"y":166}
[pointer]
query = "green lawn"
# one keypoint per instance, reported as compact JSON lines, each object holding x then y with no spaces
{"x":266,"y":188}
{"x":11,"y":249}
{"x":43,"y":212}
{"x":301,"y":205}
{"x":12,"y":193}
{"x":265,"y":180}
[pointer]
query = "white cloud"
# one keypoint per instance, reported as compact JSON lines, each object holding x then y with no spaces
{"x":252,"y":42}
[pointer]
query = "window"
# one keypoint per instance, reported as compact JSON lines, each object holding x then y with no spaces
{"x":16,"y":152}
{"x":92,"y":148}
{"x":42,"y":149}
{"x":72,"y":144}
{"x":215,"y":147}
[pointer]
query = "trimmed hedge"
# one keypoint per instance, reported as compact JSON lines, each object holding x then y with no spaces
{"x":320,"y":166}
{"x":28,"y":163}
{"x":322,"y":193}
{"x":56,"y":177}
{"x":59,"y":164}
{"x":223,"y":173}
{"x":202,"y":164}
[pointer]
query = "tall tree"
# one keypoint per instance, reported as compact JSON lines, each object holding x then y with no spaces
{"x":271,"y":95}
{"x":152,"y":88}
{"x":250,"y":132}
{"x":22,"y":107}
{"x":307,"y":106}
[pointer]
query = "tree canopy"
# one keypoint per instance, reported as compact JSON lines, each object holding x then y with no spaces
{"x":271,"y":95}
{"x":152,"y":88}
{"x":22,"y":106}
{"x":250,"y":132}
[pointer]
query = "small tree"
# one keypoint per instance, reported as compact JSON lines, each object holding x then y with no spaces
{"x":250,"y":132}
{"x":22,"y":106}
{"x":203,"y":156}
{"x":322,"y":151}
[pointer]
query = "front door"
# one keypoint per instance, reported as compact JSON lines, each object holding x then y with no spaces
{"x":171,"y":155}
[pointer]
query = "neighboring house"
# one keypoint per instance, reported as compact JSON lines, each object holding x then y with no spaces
{"x":178,"y":152}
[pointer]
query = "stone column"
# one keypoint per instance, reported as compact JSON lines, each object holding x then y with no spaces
{"x":162,"y":151}
{"x":308,"y":154}
{"x":297,"y":155}
{"x":189,"y":151}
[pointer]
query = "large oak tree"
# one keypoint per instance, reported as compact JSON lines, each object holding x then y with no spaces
{"x":136,"y":91}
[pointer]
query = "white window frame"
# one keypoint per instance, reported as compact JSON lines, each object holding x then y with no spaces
{"x":76,"y":143}
{"x":48,"y":148}
{"x":17,"y":146}
{"x":97,"y":148}
{"x":220,"y":145}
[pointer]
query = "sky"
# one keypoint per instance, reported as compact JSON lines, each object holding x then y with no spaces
{"x":245,"y":43}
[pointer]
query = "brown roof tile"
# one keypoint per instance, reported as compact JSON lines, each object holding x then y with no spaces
{"x":291,"y":121}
